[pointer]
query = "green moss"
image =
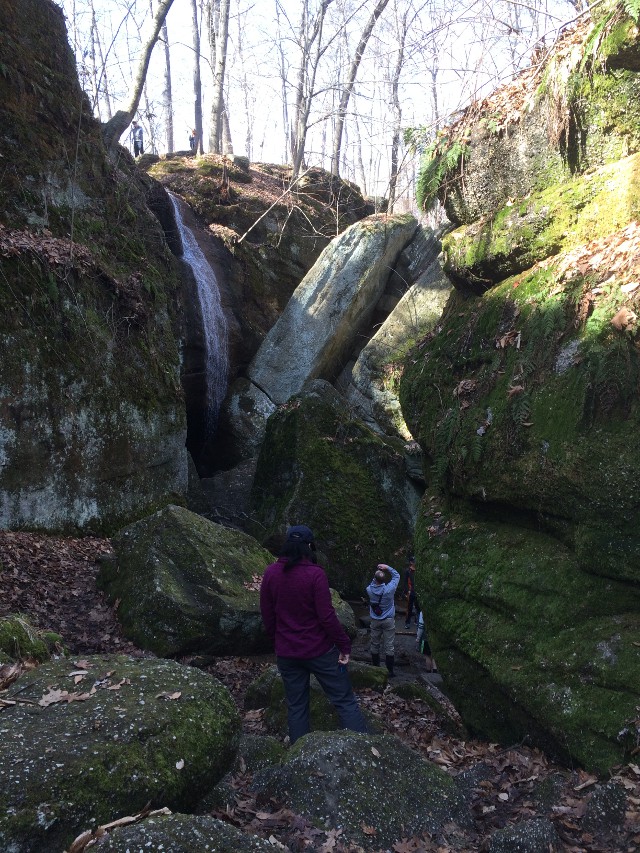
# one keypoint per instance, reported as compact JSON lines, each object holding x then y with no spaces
{"x":553,"y":219}
{"x":20,"y":640}
{"x":319,"y":465}
{"x":535,"y":647}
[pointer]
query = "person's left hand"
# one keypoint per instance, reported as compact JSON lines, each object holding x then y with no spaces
{"x":343,"y":659}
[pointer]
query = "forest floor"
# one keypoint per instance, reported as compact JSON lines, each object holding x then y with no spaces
{"x":53,"y":581}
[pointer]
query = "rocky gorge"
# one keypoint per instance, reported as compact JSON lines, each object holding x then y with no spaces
{"x":469,"y":395}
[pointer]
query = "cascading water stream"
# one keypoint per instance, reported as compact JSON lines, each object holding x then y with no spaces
{"x":213,"y":321}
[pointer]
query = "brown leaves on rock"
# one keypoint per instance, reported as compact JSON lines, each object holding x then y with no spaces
{"x":90,"y":838}
{"x":55,"y":251}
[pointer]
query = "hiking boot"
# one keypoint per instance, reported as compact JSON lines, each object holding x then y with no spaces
{"x":375,"y":660}
{"x":389,"y":664}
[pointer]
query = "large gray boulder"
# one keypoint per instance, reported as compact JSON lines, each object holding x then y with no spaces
{"x":578,"y":110}
{"x":186,"y":584}
{"x":374,"y":788}
{"x":103,"y":737}
{"x":330,"y":307}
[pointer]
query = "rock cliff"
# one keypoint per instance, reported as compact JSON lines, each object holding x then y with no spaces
{"x":525,"y":401}
{"x":92,"y":423}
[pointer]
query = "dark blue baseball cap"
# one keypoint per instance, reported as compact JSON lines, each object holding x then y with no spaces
{"x":299,"y":533}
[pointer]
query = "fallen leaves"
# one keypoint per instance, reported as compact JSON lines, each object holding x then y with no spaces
{"x":90,"y":838}
{"x":54,"y":696}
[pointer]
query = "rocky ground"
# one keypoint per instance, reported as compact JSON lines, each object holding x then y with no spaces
{"x":53,"y":581}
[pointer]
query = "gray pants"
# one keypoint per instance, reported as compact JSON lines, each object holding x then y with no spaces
{"x":383,"y":632}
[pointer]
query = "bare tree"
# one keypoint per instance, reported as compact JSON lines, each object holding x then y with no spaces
{"x":311,"y":50}
{"x":218,"y":38}
{"x":197,"y":83}
{"x":351,"y":79}
{"x":113,"y":129}
{"x":167,"y":97}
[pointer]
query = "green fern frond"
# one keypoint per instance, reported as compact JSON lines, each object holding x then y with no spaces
{"x":632,"y":8}
{"x":439,"y":160}
{"x":521,"y":408}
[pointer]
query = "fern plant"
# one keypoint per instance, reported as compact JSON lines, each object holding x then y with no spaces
{"x":632,"y":8}
{"x":439,"y":160}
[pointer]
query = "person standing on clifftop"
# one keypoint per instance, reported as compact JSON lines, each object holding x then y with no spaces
{"x":298,"y":615}
{"x":137,"y":139}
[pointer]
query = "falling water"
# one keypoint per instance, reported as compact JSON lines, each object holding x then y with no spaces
{"x":213,"y":321}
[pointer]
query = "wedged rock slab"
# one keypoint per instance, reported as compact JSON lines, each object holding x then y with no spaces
{"x":329,"y":308}
{"x":372,"y":390}
{"x":188,"y":585}
{"x":101,"y":738}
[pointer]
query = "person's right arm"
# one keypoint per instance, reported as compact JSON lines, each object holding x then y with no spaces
{"x":395,"y":578}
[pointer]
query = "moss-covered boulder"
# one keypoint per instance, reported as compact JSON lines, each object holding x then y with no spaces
{"x":103,"y":737}
{"x":547,"y":221}
{"x":185,"y":584}
{"x":320,"y":466}
{"x":92,"y":421}
{"x":564,"y":116}
{"x":267,"y":692}
{"x":526,"y":406}
{"x":182,"y":833}
{"x":392,"y":792}
{"x":20,"y":640}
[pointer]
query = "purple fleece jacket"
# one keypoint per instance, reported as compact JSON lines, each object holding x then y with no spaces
{"x":297,"y":611}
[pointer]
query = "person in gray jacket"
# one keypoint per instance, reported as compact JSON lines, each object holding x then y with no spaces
{"x":382,"y":610}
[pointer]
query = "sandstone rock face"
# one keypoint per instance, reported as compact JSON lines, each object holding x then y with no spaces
{"x":92,"y":422}
{"x":367,"y":767}
{"x":525,"y":403}
{"x":186,"y":585}
{"x":330,"y":307}
{"x":129,"y":732}
{"x":372,"y":390}
{"x":320,"y":466}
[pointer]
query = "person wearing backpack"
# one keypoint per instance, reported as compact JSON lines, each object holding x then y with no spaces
{"x":298,"y":615}
{"x":382,"y":610}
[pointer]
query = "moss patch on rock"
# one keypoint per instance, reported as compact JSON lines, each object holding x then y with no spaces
{"x":20,"y":640}
{"x":128,"y":733}
{"x":547,"y":222}
{"x":320,"y":467}
{"x":187,"y":585}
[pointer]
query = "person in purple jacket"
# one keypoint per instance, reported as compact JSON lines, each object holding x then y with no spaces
{"x":298,"y":615}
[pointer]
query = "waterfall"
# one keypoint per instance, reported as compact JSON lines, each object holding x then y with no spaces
{"x":213,"y":321}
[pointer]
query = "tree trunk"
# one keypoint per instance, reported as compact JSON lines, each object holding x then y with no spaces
{"x":346,"y":92}
{"x":197,"y":84}
{"x":116,"y":126}
{"x":217,"y":104}
{"x":167,"y":96}
{"x":309,"y":37}
{"x":397,"y":111}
